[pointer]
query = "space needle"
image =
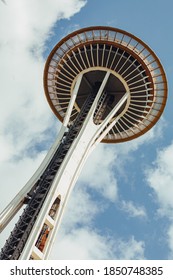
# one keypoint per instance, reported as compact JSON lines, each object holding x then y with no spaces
{"x":105,"y":85}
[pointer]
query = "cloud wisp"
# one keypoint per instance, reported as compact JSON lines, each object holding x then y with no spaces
{"x":160,"y":180}
{"x":133,"y":210}
{"x":78,"y":238}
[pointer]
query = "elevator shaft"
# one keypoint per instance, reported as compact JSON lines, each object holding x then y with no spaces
{"x":34,"y":233}
{"x":36,"y":197}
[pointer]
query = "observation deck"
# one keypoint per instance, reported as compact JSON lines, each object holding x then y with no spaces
{"x":134,"y":68}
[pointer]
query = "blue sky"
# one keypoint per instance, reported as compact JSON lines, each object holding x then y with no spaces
{"x":122,"y":205}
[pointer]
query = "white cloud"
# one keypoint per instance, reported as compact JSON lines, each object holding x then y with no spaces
{"x":25,"y":25}
{"x":24,"y":168}
{"x":3,"y":1}
{"x":98,"y":172}
{"x":170,"y":240}
{"x":78,"y":238}
{"x":86,"y":243}
{"x":26,"y":121}
{"x":83,"y":243}
{"x":32,"y":20}
{"x":133,"y":210}
{"x":131,"y":249}
{"x":25,"y":114}
{"x":81,"y":209}
{"x":160,"y":179}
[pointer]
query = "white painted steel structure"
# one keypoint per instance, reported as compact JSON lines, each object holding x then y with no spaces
{"x":89,"y":136}
{"x":129,"y":98}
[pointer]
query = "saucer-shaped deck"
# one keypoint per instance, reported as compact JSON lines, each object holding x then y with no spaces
{"x":134,"y":69}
